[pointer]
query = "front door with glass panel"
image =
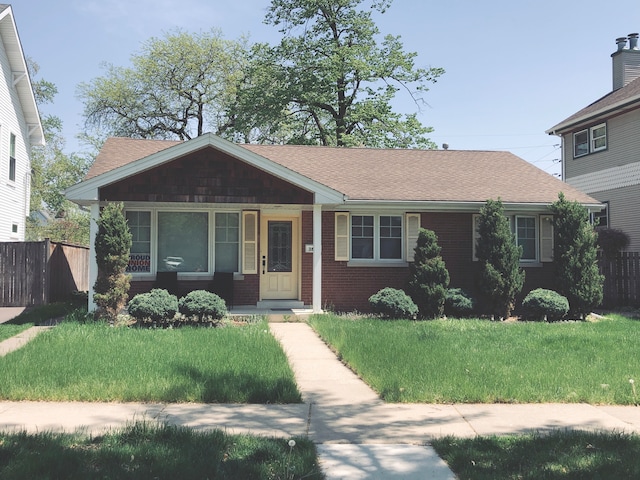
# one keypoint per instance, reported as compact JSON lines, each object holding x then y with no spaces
{"x":279,"y":250}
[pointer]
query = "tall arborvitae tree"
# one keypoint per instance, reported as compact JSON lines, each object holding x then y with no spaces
{"x":428,"y":277}
{"x":501,"y":277}
{"x":575,"y":256}
{"x":113,"y":246}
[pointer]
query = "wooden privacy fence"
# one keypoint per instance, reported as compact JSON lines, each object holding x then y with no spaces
{"x":621,"y":279}
{"x":36,"y":273}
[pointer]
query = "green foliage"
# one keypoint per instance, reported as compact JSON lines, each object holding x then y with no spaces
{"x":542,"y":304}
{"x":203,"y":306}
{"x":575,"y":256}
{"x":112,"y":247}
{"x":73,"y":228}
{"x":458,"y":303}
{"x":331,"y":81}
{"x":501,"y":277}
{"x":428,"y":276}
{"x":393,"y":303}
{"x":178,"y":86}
{"x":157,"y":306}
{"x":612,"y":241}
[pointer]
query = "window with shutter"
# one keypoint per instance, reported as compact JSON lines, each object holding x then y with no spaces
{"x":250,"y":242}
{"x":341,"y":237}
{"x":413,"y":229}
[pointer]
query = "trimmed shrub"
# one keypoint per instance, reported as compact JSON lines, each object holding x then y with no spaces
{"x":612,"y":241}
{"x":157,"y":306}
{"x":202,"y":306}
{"x":393,"y":303}
{"x":458,"y":303}
{"x":542,"y":304}
{"x":428,"y":276}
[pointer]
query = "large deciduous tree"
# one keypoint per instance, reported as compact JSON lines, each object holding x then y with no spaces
{"x":331,"y":80}
{"x":177,"y":87}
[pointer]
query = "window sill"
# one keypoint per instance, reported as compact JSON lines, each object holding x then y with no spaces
{"x":376,"y":263}
{"x":531,"y":264}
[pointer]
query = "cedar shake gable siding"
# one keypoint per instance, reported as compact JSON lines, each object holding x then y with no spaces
{"x":206,"y":176}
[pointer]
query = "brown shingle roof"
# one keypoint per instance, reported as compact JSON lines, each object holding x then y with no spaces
{"x":630,"y":92}
{"x":389,"y":174}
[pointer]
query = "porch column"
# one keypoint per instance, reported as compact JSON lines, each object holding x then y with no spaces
{"x":317,"y":258}
{"x":93,"y":264}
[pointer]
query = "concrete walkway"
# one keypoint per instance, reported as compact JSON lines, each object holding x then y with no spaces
{"x":358,"y":436}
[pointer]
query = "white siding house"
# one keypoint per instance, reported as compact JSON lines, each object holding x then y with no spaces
{"x":20,"y":129}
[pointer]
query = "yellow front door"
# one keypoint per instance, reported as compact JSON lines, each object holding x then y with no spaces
{"x":279,"y":255}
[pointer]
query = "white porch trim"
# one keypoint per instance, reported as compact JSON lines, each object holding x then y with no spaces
{"x":93,"y":264}
{"x":317,"y":259}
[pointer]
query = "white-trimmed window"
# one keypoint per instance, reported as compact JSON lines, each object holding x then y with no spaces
{"x":183,"y":241}
{"x":227,"y":241}
{"x":369,"y":237}
{"x":527,"y":237}
{"x":590,"y":140}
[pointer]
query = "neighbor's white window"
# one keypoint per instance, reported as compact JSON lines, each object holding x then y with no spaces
{"x":227,"y":244}
{"x":183,"y":241}
{"x":12,"y":158}
{"x":590,"y":140}
{"x":527,"y":238}
{"x":598,"y":136}
{"x":580,"y":143}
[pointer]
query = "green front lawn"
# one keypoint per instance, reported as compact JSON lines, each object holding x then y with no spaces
{"x":8,"y":330}
{"x":479,"y":361}
{"x":557,"y":456}
{"x":146,"y":451}
{"x":97,"y":363}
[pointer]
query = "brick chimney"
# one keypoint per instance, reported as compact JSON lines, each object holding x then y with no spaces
{"x":626,"y":61}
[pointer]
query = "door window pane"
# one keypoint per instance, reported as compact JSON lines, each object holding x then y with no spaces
{"x":183,"y":241}
{"x":227,"y":242}
{"x":280,"y":247}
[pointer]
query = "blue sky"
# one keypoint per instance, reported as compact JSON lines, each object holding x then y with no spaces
{"x":513,"y":68}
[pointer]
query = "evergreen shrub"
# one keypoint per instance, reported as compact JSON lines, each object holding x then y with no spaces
{"x":393,"y":303}
{"x":158,"y":307}
{"x":542,"y":304}
{"x":458,"y":303}
{"x":202,"y":306}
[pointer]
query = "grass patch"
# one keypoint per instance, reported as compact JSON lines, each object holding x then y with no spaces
{"x":559,"y":455}
{"x":97,"y":363}
{"x":7,"y":330}
{"x":478,"y":361}
{"x":143,"y":451}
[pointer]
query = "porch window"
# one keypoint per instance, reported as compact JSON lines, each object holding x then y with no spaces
{"x":183,"y":241}
{"x":362,"y":236}
{"x":227,"y":242}
{"x":140,"y":228}
{"x":391,"y":237}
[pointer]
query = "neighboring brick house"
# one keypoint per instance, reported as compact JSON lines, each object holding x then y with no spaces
{"x":316,"y":226}
{"x":601,"y":145}
{"x":20,"y":129}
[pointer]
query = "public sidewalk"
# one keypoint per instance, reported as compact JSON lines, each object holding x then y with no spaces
{"x":358,"y":435}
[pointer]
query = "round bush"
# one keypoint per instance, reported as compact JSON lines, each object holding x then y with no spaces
{"x":158,"y":305}
{"x":202,"y":306}
{"x":393,"y":303}
{"x":542,"y":304}
{"x":458,"y":303}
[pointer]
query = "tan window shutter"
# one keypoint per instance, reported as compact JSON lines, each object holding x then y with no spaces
{"x":413,"y":230}
{"x":342,"y":237}
{"x":249,"y":242}
{"x":475,"y":235}
{"x":546,"y":238}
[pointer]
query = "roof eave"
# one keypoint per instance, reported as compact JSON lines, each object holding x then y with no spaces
{"x":458,"y":206}
{"x":87,"y":192}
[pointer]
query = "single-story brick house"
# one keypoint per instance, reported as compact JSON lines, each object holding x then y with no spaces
{"x":321,"y":227}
